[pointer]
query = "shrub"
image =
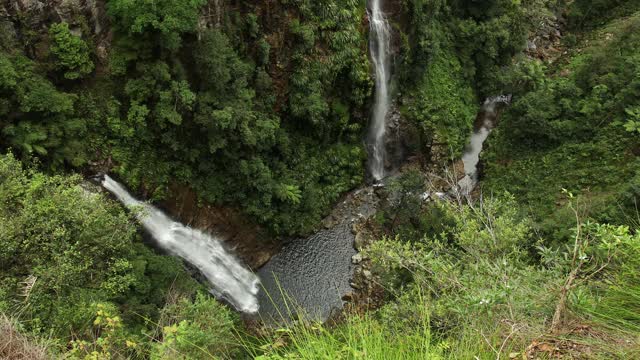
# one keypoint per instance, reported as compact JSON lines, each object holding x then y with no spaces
{"x":70,"y":51}
{"x":198,"y":329}
{"x":65,"y":249}
{"x":472,"y":275}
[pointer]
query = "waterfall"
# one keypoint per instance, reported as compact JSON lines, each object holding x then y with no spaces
{"x":229,"y":280}
{"x":380,"y":49}
{"x":471,"y":156}
{"x":218,"y":7}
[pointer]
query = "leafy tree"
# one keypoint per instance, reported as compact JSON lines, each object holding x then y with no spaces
{"x":316,"y":70}
{"x":156,"y":93}
{"x":163,"y":21}
{"x":633,"y":122}
{"x":404,"y":200}
{"x":70,"y":51}
{"x":593,"y":13}
{"x":40,"y":119}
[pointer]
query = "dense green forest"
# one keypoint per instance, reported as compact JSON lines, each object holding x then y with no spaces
{"x":262,"y":108}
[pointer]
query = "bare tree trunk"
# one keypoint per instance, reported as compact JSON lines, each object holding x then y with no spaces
{"x":558,"y":315}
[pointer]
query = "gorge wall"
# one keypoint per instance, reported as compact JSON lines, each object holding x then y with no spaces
{"x":259,"y":109}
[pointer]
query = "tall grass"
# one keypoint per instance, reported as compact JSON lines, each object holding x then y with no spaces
{"x":360,"y":337}
{"x":615,"y":301}
{"x":619,"y":307}
{"x":479,"y":295}
{"x":367,"y":336}
{"x":16,"y":346}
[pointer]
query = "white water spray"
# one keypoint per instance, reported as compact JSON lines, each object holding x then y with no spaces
{"x":380,"y":49}
{"x":228,"y":278}
{"x":471,"y":156}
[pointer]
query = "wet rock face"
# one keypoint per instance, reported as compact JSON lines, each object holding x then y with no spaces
{"x":32,"y":18}
{"x":39,"y":14}
{"x":247,"y":240}
{"x":403,"y":140}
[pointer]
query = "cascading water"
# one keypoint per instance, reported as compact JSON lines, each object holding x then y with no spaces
{"x":228,"y":278}
{"x":380,"y":49}
{"x":217,"y":4}
{"x":471,"y":156}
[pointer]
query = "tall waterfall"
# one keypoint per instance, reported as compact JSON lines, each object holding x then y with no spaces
{"x":228,"y":278}
{"x":380,"y":48}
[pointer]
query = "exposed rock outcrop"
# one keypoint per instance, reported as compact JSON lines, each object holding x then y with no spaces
{"x":249,"y":241}
{"x":545,"y":43}
{"x":402,"y":140}
{"x":30,"y":20}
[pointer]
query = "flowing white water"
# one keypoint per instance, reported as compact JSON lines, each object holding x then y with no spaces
{"x":471,"y":156}
{"x":380,"y":49}
{"x":228,"y":278}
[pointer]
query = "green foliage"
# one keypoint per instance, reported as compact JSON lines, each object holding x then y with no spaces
{"x":479,"y":271}
{"x":330,"y":46}
{"x":475,"y":243}
{"x":70,"y":51}
{"x":215,"y":127}
{"x":453,"y":53}
{"x":633,"y":120}
{"x":614,"y":300}
{"x":475,"y":286}
{"x":112,"y":340}
{"x":360,"y":337}
{"x":159,"y":21}
{"x":199,"y":329}
{"x":403,"y":203}
{"x":38,"y":118}
{"x":523,"y":76}
{"x":573,"y":130}
{"x":242,"y":121}
{"x":586,"y":14}
{"x":265,"y":112}
{"x":443,"y":105}
{"x":65,"y":249}
{"x":157,"y":96}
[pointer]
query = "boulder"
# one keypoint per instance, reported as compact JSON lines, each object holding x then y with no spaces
{"x":348,"y":296}
{"x":367,"y":275}
{"x":359,"y":241}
